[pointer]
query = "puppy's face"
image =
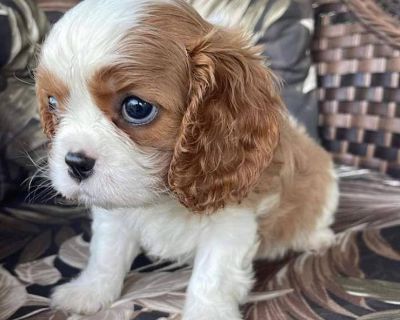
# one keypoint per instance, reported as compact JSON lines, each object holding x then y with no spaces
{"x":142,"y":98}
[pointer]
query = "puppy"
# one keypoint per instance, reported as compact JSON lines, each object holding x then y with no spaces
{"x":172,"y":130}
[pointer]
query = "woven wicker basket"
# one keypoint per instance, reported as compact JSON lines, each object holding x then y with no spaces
{"x":356,"y":50}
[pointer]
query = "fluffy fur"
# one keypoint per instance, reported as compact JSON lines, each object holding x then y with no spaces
{"x":221,"y":177}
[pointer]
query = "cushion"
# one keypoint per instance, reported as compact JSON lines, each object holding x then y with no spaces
{"x":356,"y":277}
{"x":22,"y":28}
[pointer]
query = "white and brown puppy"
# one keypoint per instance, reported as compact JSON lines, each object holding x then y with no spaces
{"x":172,"y":130}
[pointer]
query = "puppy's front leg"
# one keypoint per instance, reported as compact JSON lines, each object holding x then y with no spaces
{"x":222,"y":274}
{"x":112,"y":250}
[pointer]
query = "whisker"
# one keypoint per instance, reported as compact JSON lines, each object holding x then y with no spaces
{"x":45,"y":194}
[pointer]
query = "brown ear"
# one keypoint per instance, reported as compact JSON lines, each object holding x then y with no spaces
{"x":231,"y":126}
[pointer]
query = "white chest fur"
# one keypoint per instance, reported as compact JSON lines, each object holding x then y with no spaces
{"x":170,"y":231}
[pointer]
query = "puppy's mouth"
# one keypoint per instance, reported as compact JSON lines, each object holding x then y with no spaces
{"x":95,"y":182}
{"x":80,"y":195}
{"x":85,"y":198}
{"x":88,"y":198}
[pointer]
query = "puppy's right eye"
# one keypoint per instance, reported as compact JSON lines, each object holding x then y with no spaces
{"x":137,"y":111}
{"x":53,"y":103}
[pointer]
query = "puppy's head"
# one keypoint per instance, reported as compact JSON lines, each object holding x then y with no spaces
{"x":142,"y":98}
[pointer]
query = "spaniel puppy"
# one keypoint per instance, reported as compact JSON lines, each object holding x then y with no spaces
{"x":172,"y":130}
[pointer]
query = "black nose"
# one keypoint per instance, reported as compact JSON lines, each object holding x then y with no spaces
{"x":80,"y":166}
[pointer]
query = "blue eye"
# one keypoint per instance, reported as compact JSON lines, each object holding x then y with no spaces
{"x":138,"y":112}
{"x":52,"y":101}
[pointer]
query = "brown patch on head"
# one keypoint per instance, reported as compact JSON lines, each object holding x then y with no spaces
{"x":220,"y":110}
{"x":152,"y":64}
{"x":112,"y":84}
{"x":47,"y":84}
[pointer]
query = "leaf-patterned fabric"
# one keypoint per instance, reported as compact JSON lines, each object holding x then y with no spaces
{"x":22,"y":27}
{"x":357,"y":278}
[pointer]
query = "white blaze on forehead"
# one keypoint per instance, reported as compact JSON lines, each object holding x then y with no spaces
{"x":88,"y":36}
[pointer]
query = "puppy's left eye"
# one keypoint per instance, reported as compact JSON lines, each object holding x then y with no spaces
{"x":53,"y":103}
{"x":137,"y":111}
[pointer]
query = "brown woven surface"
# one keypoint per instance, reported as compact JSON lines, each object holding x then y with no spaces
{"x":358,"y":73}
{"x":381,"y":17}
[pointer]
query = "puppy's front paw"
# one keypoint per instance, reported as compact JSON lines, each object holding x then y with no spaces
{"x":82,"y":297}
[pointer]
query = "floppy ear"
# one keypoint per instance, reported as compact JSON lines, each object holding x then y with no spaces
{"x":231,"y":126}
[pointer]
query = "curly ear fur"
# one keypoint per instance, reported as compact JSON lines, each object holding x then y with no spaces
{"x":231,"y":126}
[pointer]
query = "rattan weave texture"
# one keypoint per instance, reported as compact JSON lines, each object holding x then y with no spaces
{"x":359,"y":95}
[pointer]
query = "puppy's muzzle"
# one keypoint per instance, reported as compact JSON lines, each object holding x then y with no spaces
{"x":80,"y":165}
